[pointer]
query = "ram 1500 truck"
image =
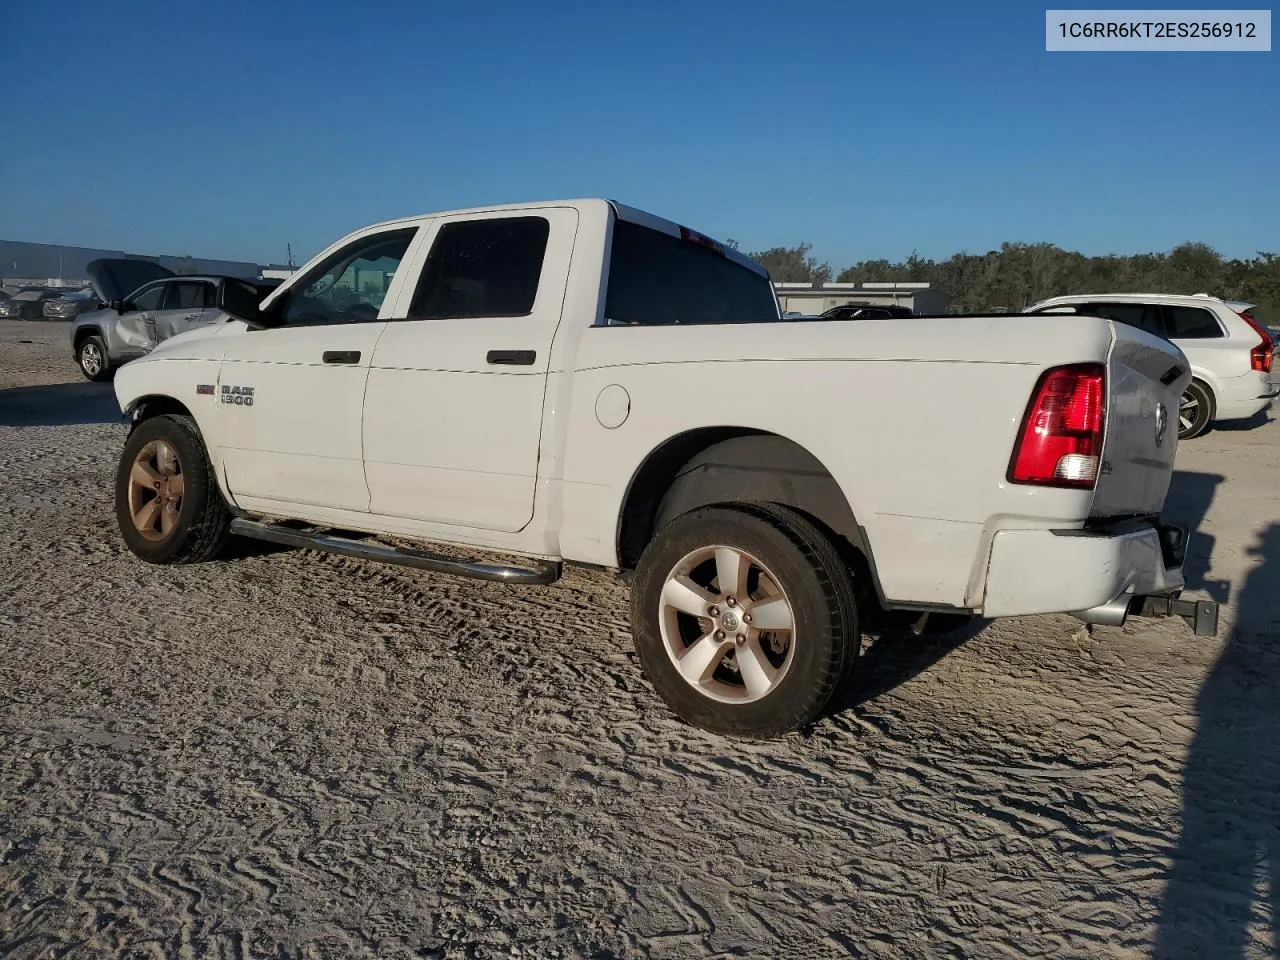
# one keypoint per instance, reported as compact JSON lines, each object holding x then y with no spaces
{"x":582,"y":382}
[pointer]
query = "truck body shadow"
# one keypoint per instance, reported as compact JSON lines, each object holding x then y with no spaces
{"x":59,"y":405}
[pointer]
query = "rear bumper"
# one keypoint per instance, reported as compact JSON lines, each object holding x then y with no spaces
{"x":1241,"y":397}
{"x":1077,"y":571}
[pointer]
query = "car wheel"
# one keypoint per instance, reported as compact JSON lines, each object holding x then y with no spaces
{"x":168,"y":504}
{"x":91,"y":355}
{"x":1195,"y":411}
{"x":744,"y":619}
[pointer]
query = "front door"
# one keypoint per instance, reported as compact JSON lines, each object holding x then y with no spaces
{"x":290,"y":397}
{"x":187,"y":305}
{"x":135,"y":329}
{"x":453,"y":410}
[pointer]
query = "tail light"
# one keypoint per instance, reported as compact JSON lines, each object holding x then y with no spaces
{"x":1060,"y":444}
{"x":1261,"y":356}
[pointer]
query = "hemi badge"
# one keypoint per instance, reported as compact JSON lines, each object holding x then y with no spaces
{"x":203,"y":389}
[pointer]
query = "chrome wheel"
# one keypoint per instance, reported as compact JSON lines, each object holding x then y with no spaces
{"x":156,"y":488}
{"x":91,"y":359}
{"x":727,"y":624}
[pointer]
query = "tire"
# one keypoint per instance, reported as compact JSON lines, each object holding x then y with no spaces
{"x":1195,"y":411}
{"x":193,"y":522}
{"x":793,"y":672}
{"x":91,"y":357}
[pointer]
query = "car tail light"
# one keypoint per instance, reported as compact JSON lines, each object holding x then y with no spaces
{"x":1261,"y":356}
{"x":1060,"y":444}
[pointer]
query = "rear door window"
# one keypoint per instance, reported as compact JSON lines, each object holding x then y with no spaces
{"x":1141,"y":315}
{"x":482,"y":268}
{"x":1192,"y":323}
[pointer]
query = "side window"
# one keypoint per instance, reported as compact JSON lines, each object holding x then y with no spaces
{"x":188,"y":295}
{"x":1140,"y":315}
{"x":482,"y":268}
{"x":350,"y":284}
{"x":1192,"y":323}
{"x":150,"y":298}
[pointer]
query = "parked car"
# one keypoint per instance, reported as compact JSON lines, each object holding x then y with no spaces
{"x":68,"y":306}
{"x":27,"y":304}
{"x":147,"y":303}
{"x":582,"y":382}
{"x":865,"y":311}
{"x":1230,"y":352}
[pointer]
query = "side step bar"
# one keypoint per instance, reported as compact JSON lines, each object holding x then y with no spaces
{"x":545,"y":572}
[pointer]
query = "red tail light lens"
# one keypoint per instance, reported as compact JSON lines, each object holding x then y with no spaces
{"x":1261,"y":356}
{"x":1061,"y":440}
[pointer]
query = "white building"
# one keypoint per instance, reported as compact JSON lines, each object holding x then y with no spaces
{"x":814,"y":298}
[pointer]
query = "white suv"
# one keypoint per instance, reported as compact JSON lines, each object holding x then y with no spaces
{"x":1229,"y":350}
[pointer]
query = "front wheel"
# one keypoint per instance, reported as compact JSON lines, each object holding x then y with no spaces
{"x":91,"y":355}
{"x":1195,"y":411}
{"x":168,"y":505}
{"x":744,"y":619}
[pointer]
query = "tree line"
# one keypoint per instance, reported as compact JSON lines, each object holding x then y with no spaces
{"x":1019,"y":274}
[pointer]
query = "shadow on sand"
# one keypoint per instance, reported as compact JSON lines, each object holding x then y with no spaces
{"x":59,"y":405}
{"x":1226,"y":869}
{"x":1190,"y":496}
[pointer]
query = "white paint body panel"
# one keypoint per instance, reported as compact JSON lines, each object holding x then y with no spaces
{"x":916,"y":420}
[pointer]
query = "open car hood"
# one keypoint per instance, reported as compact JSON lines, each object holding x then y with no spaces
{"x":116,"y":278}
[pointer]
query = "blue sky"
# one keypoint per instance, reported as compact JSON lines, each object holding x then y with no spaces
{"x":229,"y":128}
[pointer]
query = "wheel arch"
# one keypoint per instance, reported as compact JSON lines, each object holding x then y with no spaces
{"x":150,"y":406}
{"x":84,"y":333}
{"x":1206,"y":383}
{"x":710,"y":465}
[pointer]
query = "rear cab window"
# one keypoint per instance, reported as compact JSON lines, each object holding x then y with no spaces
{"x":656,"y":279}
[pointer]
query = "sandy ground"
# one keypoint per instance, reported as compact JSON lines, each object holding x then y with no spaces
{"x":294,"y":755}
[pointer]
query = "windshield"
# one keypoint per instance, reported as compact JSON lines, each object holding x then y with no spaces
{"x":658,"y":279}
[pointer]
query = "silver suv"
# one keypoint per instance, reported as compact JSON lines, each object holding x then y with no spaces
{"x":147,"y":303}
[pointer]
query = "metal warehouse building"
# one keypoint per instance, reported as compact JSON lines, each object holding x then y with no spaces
{"x":814,"y":298}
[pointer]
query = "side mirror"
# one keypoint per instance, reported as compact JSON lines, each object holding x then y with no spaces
{"x":116,"y":305}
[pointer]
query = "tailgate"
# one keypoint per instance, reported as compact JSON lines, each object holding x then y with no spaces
{"x":1146,"y":375}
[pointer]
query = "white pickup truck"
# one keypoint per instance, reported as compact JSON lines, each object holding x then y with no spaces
{"x":582,"y":382}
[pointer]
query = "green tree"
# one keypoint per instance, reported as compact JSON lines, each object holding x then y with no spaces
{"x":793,"y":265}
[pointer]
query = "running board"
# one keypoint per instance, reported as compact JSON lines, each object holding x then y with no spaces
{"x":546,"y":572}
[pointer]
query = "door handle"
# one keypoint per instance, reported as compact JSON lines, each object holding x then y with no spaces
{"x":341,"y":356}
{"x":191,"y":316}
{"x":520,"y":358}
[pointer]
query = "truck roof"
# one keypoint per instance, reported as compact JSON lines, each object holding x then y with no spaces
{"x":621,"y":210}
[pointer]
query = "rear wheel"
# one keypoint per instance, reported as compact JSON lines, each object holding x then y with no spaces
{"x":1195,"y":411}
{"x":744,"y":619}
{"x":91,"y":355}
{"x":168,"y":505}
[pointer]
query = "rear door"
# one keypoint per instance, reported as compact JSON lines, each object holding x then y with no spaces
{"x":453,"y":410}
